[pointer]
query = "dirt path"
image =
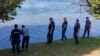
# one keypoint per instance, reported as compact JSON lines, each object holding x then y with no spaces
{"x":93,"y":53}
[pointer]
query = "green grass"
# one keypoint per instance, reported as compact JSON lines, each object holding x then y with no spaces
{"x":59,"y":48}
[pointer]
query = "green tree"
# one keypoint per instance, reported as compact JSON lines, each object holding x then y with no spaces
{"x":8,"y":9}
{"x":93,"y":7}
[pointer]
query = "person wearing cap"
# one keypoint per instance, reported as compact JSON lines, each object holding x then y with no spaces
{"x":25,"y":41}
{"x":15,"y":39}
{"x":87,"y":28}
{"x":51,"y":28}
{"x":64,"y":28}
{"x":76,"y":31}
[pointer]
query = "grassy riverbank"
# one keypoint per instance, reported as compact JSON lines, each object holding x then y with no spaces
{"x":60,"y":48}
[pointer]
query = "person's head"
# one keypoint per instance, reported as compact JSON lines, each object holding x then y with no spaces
{"x":65,"y":18}
{"x":51,"y":19}
{"x":87,"y":18}
{"x":15,"y":26}
{"x":23,"y":26}
{"x":77,"y":20}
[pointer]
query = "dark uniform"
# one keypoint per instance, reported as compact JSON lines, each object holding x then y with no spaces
{"x":15,"y":38}
{"x":50,"y":35}
{"x":87,"y":28}
{"x":76,"y":28}
{"x":64,"y":30}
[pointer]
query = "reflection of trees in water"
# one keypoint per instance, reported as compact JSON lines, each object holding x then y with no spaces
{"x":92,"y":6}
{"x":8,"y":9}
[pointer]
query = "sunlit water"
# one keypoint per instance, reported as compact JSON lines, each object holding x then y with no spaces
{"x":36,"y":13}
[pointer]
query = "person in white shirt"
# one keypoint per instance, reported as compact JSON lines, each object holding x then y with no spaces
{"x":25,"y":41}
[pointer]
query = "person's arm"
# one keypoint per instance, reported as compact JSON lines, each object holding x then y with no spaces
{"x":11,"y":36}
{"x":65,"y":26}
{"x":90,"y":25}
{"x":28,"y":32}
{"x":21,"y":32}
{"x":52,"y":28}
{"x":78,"y":30}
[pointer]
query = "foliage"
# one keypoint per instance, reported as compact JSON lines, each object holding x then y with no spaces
{"x":8,"y":9}
{"x":94,"y":7}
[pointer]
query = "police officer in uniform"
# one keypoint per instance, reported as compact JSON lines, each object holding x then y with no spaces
{"x":76,"y":31}
{"x":87,"y":27}
{"x":64,"y":28}
{"x":15,"y":39}
{"x":50,"y":31}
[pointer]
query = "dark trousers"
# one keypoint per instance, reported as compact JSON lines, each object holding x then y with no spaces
{"x":15,"y":46}
{"x":63,"y":34}
{"x":76,"y":38}
{"x":25,"y":42}
{"x":49,"y":38}
{"x":86,"y":31}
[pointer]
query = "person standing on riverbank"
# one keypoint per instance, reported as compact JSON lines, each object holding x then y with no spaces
{"x":64,"y":28}
{"x":25,"y":41}
{"x":76,"y":31}
{"x":87,"y":28}
{"x":50,"y":31}
{"x":15,"y":39}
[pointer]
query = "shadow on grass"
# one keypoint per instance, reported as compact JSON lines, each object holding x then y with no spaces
{"x":59,"y":48}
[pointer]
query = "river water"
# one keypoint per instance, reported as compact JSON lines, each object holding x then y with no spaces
{"x":35,"y":15}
